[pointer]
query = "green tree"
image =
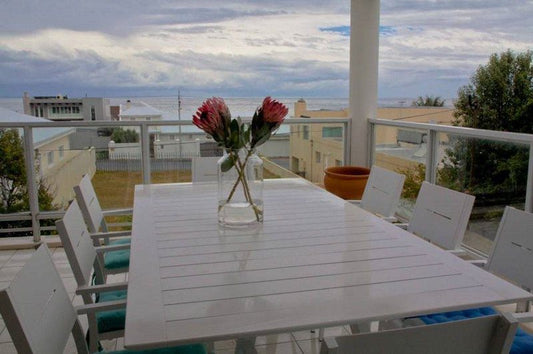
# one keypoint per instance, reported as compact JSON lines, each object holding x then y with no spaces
{"x":499,"y":97}
{"x":13,"y":191}
{"x":124,"y":136}
{"x":414,"y":176}
{"x":429,"y":101}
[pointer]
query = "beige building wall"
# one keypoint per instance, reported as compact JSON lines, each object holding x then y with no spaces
{"x":436,"y":115}
{"x":61,"y":168}
{"x":311,"y":152}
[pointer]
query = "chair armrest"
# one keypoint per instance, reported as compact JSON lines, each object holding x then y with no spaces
{"x":101,"y":306}
{"x":100,"y":235}
{"x":457,"y":251}
{"x":523,"y":317}
{"x":403,"y":226}
{"x":118,"y":212}
{"x":478,"y":262}
{"x":92,"y":289}
{"x":110,"y":248}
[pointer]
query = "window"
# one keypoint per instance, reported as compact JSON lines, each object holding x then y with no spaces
{"x":50,"y":157}
{"x":332,"y":132}
{"x":306,"y":132}
{"x":61,"y":151}
{"x":93,"y":113}
{"x":317,"y":156}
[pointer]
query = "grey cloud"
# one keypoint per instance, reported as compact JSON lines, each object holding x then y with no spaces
{"x":118,"y":17}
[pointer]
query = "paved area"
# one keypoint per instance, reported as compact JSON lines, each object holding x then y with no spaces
{"x":288,"y":343}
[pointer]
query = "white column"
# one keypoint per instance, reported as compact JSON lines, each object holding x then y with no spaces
{"x":364,"y":56}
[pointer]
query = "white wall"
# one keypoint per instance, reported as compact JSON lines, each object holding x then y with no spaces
{"x":130,"y":151}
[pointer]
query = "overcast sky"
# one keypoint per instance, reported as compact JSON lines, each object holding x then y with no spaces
{"x":297,"y":48}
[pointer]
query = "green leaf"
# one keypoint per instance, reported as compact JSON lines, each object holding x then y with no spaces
{"x":228,"y":163}
{"x":261,"y":136}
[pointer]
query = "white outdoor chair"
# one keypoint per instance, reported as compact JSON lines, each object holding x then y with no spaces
{"x":82,"y":256}
{"x":39,"y":315}
{"x":441,"y":215}
{"x":205,"y":169}
{"x":482,"y":335}
{"x":382,"y":192}
{"x":92,"y":212}
{"x":512,"y":258}
{"x":94,"y":218}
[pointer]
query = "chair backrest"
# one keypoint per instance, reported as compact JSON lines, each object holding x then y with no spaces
{"x":77,"y":243}
{"x":90,"y":206}
{"x":382,"y":191}
{"x":482,"y":335}
{"x":36,"y":308}
{"x":441,"y":215}
{"x":205,"y":169}
{"x":512,"y":250}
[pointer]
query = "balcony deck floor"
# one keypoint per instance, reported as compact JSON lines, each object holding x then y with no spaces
{"x":287,"y":343}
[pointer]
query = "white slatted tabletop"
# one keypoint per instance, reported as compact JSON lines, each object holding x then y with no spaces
{"x":317,"y":261}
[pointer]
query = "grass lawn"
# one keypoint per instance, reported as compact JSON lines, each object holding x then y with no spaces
{"x":115,"y":189}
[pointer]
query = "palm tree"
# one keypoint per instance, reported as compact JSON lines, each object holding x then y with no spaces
{"x":429,"y":101}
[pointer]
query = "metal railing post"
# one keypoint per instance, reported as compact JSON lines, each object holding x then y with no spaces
{"x":347,"y":142}
{"x":529,"y":188}
{"x":431,"y":156}
{"x":145,"y":153}
{"x":31,"y":183}
{"x":371,"y":143}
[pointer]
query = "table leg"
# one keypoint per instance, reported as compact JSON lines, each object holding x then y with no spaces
{"x":245,"y":345}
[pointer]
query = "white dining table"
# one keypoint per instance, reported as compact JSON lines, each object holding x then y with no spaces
{"x":316,"y":261}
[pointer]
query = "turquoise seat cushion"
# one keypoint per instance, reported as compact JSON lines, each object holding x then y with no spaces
{"x":183,"y":349}
{"x":111,"y":320}
{"x":117,"y":259}
{"x":523,"y":341}
{"x":120,"y":241}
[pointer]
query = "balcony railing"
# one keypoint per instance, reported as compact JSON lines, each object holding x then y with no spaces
{"x":141,"y":158}
{"x":394,"y":144}
{"x":453,"y":157}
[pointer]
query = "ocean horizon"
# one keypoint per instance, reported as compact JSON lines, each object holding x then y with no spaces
{"x":239,"y":106}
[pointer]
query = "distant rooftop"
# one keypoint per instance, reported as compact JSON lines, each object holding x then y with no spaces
{"x":141,"y":109}
{"x":40,"y":135}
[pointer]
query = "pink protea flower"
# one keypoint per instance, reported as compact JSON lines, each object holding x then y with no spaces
{"x":273,"y":111}
{"x":266,"y":120}
{"x":214,"y":118}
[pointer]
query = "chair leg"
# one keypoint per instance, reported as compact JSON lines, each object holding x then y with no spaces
{"x":92,"y":334}
{"x":524,"y":306}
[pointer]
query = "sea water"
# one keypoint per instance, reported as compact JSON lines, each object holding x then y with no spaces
{"x":239,"y":106}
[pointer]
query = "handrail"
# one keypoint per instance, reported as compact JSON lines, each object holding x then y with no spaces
{"x":119,"y":123}
{"x":519,"y":138}
{"x":35,"y":215}
{"x":431,"y":156}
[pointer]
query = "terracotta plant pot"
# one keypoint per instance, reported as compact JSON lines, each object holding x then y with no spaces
{"x":347,"y":182}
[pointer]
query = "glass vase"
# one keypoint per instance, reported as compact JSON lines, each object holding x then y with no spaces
{"x":240,"y":189}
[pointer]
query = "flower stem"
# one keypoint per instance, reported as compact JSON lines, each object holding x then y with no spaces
{"x":241,"y":169}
